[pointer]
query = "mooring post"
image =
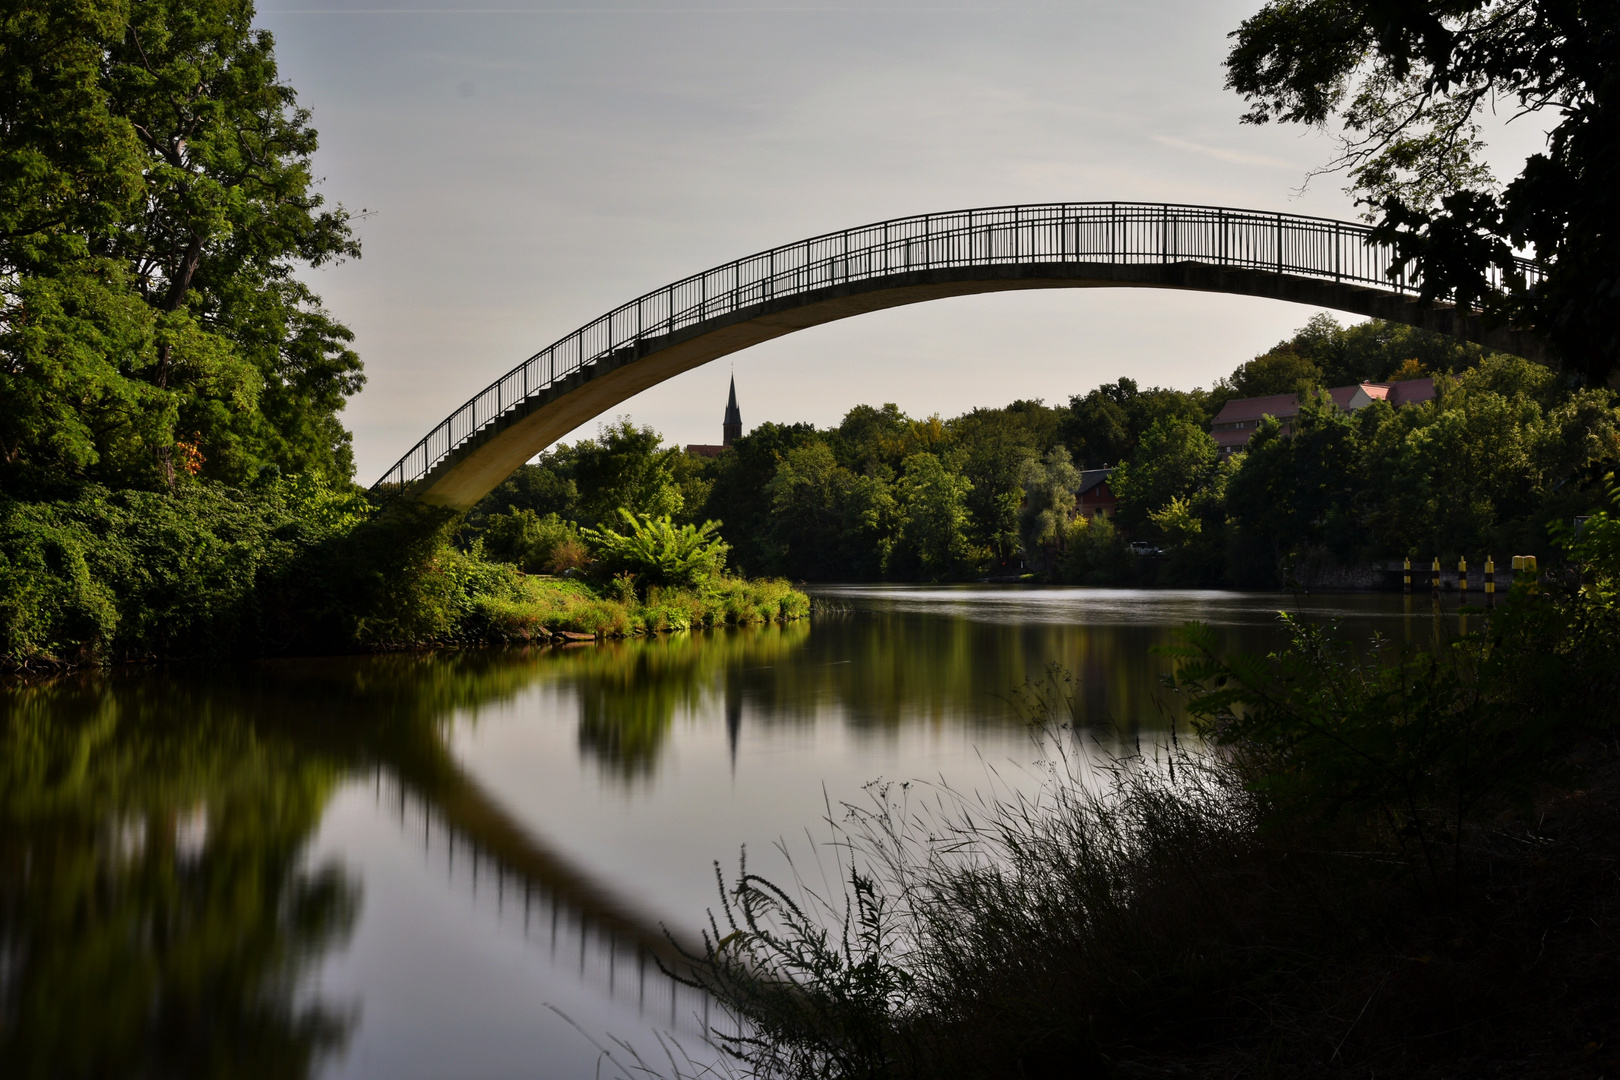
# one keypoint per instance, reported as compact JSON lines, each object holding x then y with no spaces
{"x":1490,"y":581}
{"x":1462,"y":579}
{"x":1406,"y":585}
{"x":1436,"y":572}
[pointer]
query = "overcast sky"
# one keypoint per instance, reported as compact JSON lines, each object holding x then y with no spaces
{"x":527,"y":168}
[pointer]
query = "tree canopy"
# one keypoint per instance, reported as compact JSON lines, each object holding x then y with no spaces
{"x":157,"y":201}
{"x":1407,"y":83}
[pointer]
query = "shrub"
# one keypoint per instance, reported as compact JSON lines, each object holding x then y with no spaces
{"x":659,"y":552}
{"x":129,"y":574}
{"x":533,"y":543}
{"x":1094,"y":552}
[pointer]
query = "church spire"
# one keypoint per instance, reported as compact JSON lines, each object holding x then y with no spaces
{"x":731,"y":430}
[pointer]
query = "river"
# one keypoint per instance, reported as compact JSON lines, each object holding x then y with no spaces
{"x":464,"y":864}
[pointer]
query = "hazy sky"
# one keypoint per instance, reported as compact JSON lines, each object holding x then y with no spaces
{"x":528,"y":168}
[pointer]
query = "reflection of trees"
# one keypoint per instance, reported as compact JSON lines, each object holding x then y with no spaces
{"x":889,"y":669}
{"x":630,"y":691}
{"x":155,"y":913}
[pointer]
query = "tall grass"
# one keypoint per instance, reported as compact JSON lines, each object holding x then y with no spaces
{"x":977,"y":934}
{"x":517,"y":608}
{"x":1342,"y":874}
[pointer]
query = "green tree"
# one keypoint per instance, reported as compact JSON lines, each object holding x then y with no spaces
{"x":994,"y":446}
{"x":1377,"y":351}
{"x":1049,"y":485}
{"x":157,"y":200}
{"x":1259,"y":497}
{"x":870,"y":439}
{"x":1174,"y":457}
{"x":807,"y":504}
{"x":543,"y":487}
{"x":738,"y":498}
{"x":830,"y":523}
{"x":1281,"y":371}
{"x":625,"y":467}
{"x":1455,"y":472}
{"x":1406,"y":83}
{"x":1103,"y":426}
{"x":933,"y":518}
{"x":529,"y":541}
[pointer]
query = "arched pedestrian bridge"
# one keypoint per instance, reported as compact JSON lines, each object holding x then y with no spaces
{"x":1306,"y":260}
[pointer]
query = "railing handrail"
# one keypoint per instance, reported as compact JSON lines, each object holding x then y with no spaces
{"x":1262,"y":243}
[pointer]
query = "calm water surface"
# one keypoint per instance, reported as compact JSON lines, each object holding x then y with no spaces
{"x":462,"y":864}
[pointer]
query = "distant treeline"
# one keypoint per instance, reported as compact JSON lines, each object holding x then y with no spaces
{"x":1507,"y":449}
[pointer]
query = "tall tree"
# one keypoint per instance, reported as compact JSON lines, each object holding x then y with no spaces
{"x":933,"y":518}
{"x":156,"y":202}
{"x":1407,"y":82}
{"x":1173,"y":459}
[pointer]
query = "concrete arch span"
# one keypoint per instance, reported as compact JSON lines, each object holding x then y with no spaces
{"x":1316,"y":261}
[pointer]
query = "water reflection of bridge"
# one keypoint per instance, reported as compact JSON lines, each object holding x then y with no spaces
{"x":564,"y":909}
{"x":576,"y":920}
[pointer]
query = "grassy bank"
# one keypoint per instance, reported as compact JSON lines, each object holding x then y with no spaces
{"x":506,"y":606}
{"x":92,"y":575}
{"x":1390,"y":862}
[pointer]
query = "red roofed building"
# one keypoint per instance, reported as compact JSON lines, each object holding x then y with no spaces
{"x":1234,"y":426}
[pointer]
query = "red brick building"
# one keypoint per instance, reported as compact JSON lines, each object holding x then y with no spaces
{"x":1094,"y":498}
{"x":1234,"y":426}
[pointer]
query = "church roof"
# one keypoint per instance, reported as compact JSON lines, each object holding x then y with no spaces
{"x":733,"y":414}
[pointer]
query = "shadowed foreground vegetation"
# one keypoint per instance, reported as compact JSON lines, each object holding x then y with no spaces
{"x":1386,"y":861}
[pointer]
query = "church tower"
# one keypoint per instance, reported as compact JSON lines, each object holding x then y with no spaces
{"x":731,"y":430}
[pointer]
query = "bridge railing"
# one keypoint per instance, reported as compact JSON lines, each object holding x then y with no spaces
{"x":1116,"y":233}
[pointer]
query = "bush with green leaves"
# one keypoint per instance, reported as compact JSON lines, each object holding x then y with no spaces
{"x":532,"y":543}
{"x":659,"y":552}
{"x":130,"y":574}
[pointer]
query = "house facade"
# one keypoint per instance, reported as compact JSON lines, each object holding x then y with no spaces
{"x":1234,"y":426}
{"x":1094,"y":498}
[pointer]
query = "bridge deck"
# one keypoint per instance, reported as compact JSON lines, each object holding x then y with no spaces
{"x":1315,"y":261}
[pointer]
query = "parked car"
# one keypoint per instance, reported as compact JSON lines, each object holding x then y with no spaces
{"x":1142,"y":547}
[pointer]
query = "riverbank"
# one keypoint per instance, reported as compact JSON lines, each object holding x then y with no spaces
{"x":540,"y":609}
{"x":97,"y":576}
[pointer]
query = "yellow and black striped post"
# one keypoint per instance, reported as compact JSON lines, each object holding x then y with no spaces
{"x":1407,"y":584}
{"x":1490,"y":581}
{"x":1437,"y":576}
{"x":1462,"y":579}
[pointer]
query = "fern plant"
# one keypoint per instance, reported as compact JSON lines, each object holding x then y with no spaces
{"x":659,"y":552}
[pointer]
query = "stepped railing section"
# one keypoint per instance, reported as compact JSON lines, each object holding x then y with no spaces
{"x":1116,"y":233}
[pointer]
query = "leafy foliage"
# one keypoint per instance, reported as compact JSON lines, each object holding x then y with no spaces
{"x":533,"y":543}
{"x":659,"y":552}
{"x":1506,"y":449}
{"x":1406,"y":83}
{"x":156,"y":197}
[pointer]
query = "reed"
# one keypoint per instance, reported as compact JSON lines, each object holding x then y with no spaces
{"x":1254,"y":903}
